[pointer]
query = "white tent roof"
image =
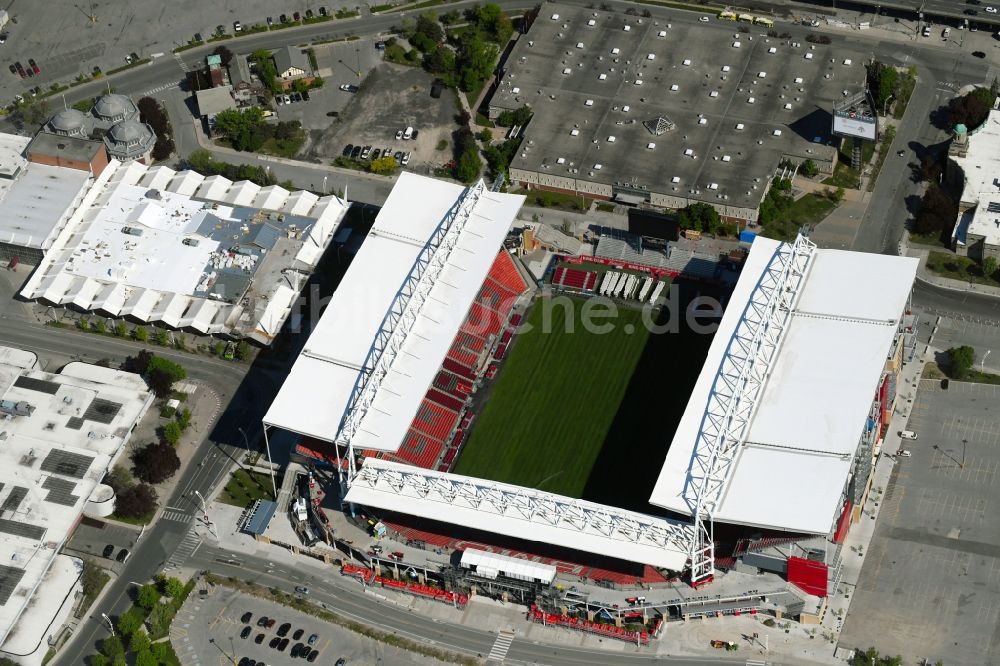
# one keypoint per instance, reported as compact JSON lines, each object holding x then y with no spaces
{"x":336,"y":350}
{"x":813,"y":408}
{"x":522,"y":513}
{"x":513,"y":567}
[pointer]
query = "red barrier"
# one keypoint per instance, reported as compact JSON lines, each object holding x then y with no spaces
{"x":608,"y":630}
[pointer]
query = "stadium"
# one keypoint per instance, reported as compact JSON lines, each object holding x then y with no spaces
{"x":468,"y":413}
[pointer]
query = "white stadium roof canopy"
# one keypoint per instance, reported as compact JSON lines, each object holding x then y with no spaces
{"x":326,"y":377}
{"x":522,"y":513}
{"x":790,"y":471}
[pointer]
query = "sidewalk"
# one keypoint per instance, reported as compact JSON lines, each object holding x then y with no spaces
{"x":946,"y":283}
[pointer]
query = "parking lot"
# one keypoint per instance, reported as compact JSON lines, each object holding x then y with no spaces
{"x":391,"y":98}
{"x":208,"y":630}
{"x":930,"y":587}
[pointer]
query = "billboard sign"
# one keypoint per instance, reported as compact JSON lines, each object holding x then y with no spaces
{"x":855,"y":125}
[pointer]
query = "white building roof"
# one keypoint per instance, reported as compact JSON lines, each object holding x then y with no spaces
{"x":314,"y":397}
{"x":36,"y":200}
{"x":53,"y":457}
{"x":522,"y":513}
{"x":139,"y":244}
{"x":490,"y":564}
{"x":981,"y":189}
{"x":793,"y":467}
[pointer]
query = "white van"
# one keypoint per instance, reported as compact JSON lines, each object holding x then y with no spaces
{"x":408,"y":134}
{"x":907,"y":434}
{"x":945,"y":33}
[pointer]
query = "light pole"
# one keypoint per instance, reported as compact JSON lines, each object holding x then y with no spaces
{"x":982,"y":365}
{"x":885,"y":105}
{"x":111,"y":627}
{"x":324,"y":185}
{"x":246,"y":442}
{"x":204,"y":513}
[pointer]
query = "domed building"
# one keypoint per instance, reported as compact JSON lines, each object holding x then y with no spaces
{"x":113,"y":121}
{"x":130,"y":140}
{"x":112,"y":108}
{"x":70,"y":122}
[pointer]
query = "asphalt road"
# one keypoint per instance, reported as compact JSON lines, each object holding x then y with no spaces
{"x":345,"y":597}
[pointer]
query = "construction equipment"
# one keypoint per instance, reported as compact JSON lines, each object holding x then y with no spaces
{"x":728,"y":646}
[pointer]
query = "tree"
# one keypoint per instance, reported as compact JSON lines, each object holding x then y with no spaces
{"x":172,"y":434}
{"x":383,"y":165}
{"x":92,"y":579}
{"x":474,"y":61}
{"x":989,"y":266}
{"x":240,"y":127}
{"x":34,"y":111}
{"x":970,"y":110}
{"x":264,"y":65}
{"x":148,"y":596}
{"x":157,"y":462}
{"x":161,"y":374}
{"x":145,"y":658}
{"x":172,"y":587}
{"x":184,"y":418}
{"x":151,"y":112}
{"x":163,"y":148}
{"x":162,"y":338}
{"x":138,"y":501}
{"x":931,"y":168}
{"x":960,"y":361}
{"x":225,"y":55}
{"x":937,"y":214}
{"x":120,"y":479}
{"x":141,"y":334}
{"x":809,"y":168}
{"x":699,"y":216}
{"x":112,"y":647}
{"x":139,"y":642}
{"x":490,"y":18}
{"x":129,"y":622}
{"x":139,"y":363}
{"x":95,"y":660}
{"x":243,"y":350}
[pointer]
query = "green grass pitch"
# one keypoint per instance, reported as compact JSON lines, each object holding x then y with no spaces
{"x":555,"y":400}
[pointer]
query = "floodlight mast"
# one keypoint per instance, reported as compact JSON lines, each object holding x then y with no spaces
{"x":733,"y":400}
{"x":402,"y":314}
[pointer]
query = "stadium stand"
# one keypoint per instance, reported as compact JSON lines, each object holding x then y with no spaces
{"x":573,"y":279}
{"x":622,"y":246}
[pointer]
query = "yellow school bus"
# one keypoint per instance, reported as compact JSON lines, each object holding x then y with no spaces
{"x":764,"y":21}
{"x":746,"y":17}
{"x":727,"y":16}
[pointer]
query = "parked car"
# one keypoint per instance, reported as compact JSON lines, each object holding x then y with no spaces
{"x":123,"y":555}
{"x":907,"y":434}
{"x":296,"y":16}
{"x":309,"y":13}
{"x":279,"y":99}
{"x":407,"y":134}
{"x":341,"y":662}
{"x":299,"y":649}
{"x":298,"y":634}
{"x":237,"y":26}
{"x":283,"y":18}
{"x":270,"y":622}
{"x":259,"y":639}
{"x":246,"y":632}
{"x":356,"y":153}
{"x":333,"y":114}
{"x":13,"y":70}
{"x":262,"y":622}
{"x":246,"y":617}
{"x":396,"y":555}
{"x":288,"y":99}
{"x":365,"y":152}
{"x":3,"y":37}
{"x":348,"y":87}
{"x":312,"y":656}
{"x":108,"y":550}
{"x":312,"y":639}
{"x":903,"y":453}
{"x":270,"y":21}
{"x":322,"y":11}
{"x":973,"y":2}
{"x":347,"y":150}
{"x":282,"y":645}
{"x":305,"y":95}
{"x":283,"y":629}
{"x":991,"y":10}
{"x":970,"y":12}
{"x":20,"y":70}
{"x":198,"y":37}
{"x":704,"y":19}
{"x":273,"y":644}
{"x":399,"y":158}
{"x":296,"y":97}
{"x":376,"y":153}
{"x":978,"y":54}
{"x":405,"y":160}
{"x":399,"y":135}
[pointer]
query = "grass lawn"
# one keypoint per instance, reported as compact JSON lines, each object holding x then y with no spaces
{"x":958,"y":268}
{"x":843,"y":176}
{"x":284,"y":148}
{"x":933,"y":239}
{"x":244,"y":487}
{"x":559,"y":200}
{"x":809,"y":209}
{"x":546,"y":421}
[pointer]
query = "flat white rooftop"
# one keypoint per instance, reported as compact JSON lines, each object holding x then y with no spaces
{"x":60,"y":433}
{"x":792,"y":470}
{"x":36,"y":200}
{"x":188,"y":251}
{"x":313,"y":399}
{"x":981,"y":169}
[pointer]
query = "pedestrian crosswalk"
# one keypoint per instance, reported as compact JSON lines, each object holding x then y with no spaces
{"x":185,"y":550}
{"x":180,"y":61}
{"x":165,"y":86}
{"x":177,"y":516}
{"x":756,"y":662}
{"x":500,"y":646}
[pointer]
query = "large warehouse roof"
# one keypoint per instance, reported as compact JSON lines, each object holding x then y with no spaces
{"x":188,"y":251}
{"x":792,"y":466}
{"x":522,"y":513}
{"x":315,"y":397}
